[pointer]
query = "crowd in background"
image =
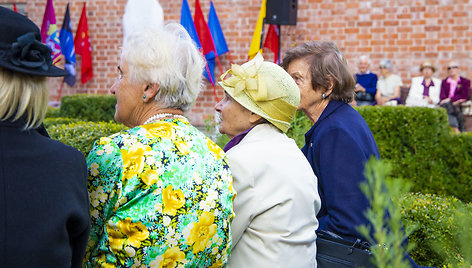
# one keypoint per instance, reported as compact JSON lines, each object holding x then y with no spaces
{"x":425,"y":90}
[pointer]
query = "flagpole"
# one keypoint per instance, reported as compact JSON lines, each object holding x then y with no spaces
{"x":211,"y":81}
{"x":280,"y":47}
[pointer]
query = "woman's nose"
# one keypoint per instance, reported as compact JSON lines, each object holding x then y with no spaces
{"x":112,"y":89}
{"x":218,"y":107}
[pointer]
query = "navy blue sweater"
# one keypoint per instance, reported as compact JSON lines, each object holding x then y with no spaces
{"x":368,"y":81}
{"x":337,"y":147}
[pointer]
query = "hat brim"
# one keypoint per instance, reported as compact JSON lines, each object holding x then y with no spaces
{"x":52,"y":71}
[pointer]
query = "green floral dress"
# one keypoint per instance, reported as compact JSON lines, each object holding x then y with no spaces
{"x":160,"y":196}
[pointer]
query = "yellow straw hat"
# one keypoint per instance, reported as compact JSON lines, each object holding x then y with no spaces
{"x":265,"y":89}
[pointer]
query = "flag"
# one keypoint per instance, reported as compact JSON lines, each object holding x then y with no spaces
{"x":14,"y":8}
{"x":257,"y":36}
{"x":187,"y":22}
{"x":68,"y":50}
{"x":272,"y":41}
{"x":206,"y":40}
{"x":202,"y":30}
{"x":216,"y":32}
{"x":50,"y":35}
{"x":83,"y":47}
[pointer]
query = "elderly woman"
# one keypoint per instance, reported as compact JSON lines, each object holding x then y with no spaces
{"x":44,"y":211}
{"x":340,"y":142}
{"x":455,"y":90}
{"x":388,"y":85}
{"x":277,"y":201}
{"x":160,"y":192}
{"x":424,"y":90}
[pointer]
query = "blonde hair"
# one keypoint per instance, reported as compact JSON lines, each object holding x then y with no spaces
{"x":23,"y":95}
{"x":166,"y":56}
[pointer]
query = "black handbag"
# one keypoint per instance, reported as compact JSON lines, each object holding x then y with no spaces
{"x":335,"y":252}
{"x":364,"y":96}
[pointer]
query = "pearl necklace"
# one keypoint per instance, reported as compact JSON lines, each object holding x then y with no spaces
{"x":160,"y":116}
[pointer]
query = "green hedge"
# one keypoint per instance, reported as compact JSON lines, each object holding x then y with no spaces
{"x":89,"y":107}
{"x":53,"y":112}
{"x":437,"y":228}
{"x":82,"y":135}
{"x":419,"y":145}
{"x":52,"y":121}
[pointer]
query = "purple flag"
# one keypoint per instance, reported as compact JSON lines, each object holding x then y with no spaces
{"x":50,"y":35}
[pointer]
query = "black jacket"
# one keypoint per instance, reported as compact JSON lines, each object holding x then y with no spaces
{"x":44,"y":207}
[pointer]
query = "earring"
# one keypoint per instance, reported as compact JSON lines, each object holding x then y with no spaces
{"x":323,"y":95}
{"x":144,"y":97}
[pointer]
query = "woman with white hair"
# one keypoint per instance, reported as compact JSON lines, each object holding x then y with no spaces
{"x":44,"y":211}
{"x":161,"y":192}
{"x":388,"y":85}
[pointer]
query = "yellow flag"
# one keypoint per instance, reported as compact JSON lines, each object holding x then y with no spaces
{"x":257,"y":36}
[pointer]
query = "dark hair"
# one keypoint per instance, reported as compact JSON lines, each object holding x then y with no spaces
{"x":327,"y":65}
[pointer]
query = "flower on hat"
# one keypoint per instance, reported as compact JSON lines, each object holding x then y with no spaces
{"x":245,"y":78}
{"x":27,"y":51}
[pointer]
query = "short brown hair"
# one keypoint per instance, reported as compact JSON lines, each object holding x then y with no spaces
{"x":326,"y":64}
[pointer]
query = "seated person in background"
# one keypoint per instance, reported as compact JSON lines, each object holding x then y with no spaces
{"x":277,"y":198}
{"x":366,"y":83}
{"x":455,"y":90}
{"x":388,"y":85}
{"x":424,"y":90}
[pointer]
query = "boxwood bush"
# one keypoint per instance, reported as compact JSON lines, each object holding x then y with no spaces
{"x":82,"y":135}
{"x":88,"y":107}
{"x":52,"y":121}
{"x":418,"y":143}
{"x":437,"y":229}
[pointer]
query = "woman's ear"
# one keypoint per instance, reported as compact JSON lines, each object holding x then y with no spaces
{"x":330,"y":85}
{"x":150,"y":91}
{"x":253,"y":118}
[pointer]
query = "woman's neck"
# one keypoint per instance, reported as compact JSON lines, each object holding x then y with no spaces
{"x":455,"y":77}
{"x":314,"y":112}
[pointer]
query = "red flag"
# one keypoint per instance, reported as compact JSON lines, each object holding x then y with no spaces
{"x":83,"y":47}
{"x":14,"y":8}
{"x":272,"y":41}
{"x":203,"y":31}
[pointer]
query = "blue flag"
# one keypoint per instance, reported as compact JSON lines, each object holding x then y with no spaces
{"x":216,"y":32}
{"x":187,"y":21}
{"x":67,"y":48}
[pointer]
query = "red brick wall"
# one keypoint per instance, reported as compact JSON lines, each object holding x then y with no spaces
{"x":405,"y":31}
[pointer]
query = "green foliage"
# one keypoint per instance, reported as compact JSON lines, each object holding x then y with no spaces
{"x":82,"y":135}
{"x":53,"y":112}
{"x":298,"y":127}
{"x":418,"y":143}
{"x":52,"y":121}
{"x":211,"y":130}
{"x":89,"y":107}
{"x":388,"y":232}
{"x":443,"y":232}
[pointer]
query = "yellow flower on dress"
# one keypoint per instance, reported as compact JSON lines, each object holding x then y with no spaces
{"x":150,"y":177}
{"x":202,"y":232}
{"x":161,"y":129}
{"x":215,"y":149}
{"x":182,"y":146}
{"x":172,"y":200}
{"x":104,"y":140}
{"x":135,"y":231}
{"x":133,"y":160}
{"x":217,"y":264}
{"x":169,"y":259}
{"x":116,"y":239}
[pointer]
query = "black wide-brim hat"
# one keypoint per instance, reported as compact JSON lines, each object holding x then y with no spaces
{"x":21,"y":49}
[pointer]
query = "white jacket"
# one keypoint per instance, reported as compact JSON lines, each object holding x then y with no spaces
{"x":415,"y":96}
{"x":276,"y":203}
